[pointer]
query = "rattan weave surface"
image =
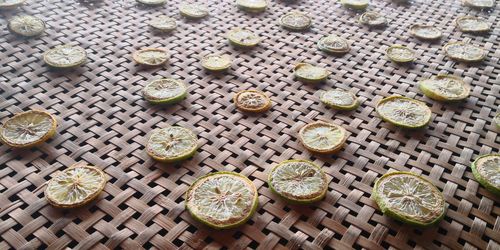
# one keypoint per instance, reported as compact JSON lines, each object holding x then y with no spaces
{"x":104,"y":121}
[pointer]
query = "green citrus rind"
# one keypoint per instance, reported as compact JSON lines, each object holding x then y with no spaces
{"x":215,"y":62}
{"x":462,"y":26}
{"x":48,"y":134}
{"x":185,"y":154}
{"x":416,"y":28}
{"x":355,"y":4}
{"x":152,"y":98}
{"x":338,"y":45}
{"x":308,"y":73}
{"x":426,"y":119}
{"x":391,"y":54}
{"x":287,"y":21}
{"x":252,"y":6}
{"x":368,"y":18}
{"x":17,"y":23}
{"x":426,"y":88}
{"x":78,"y":52}
{"x":480,"y":178}
{"x":479,"y":53}
{"x":193,"y":11}
{"x":331,"y":104}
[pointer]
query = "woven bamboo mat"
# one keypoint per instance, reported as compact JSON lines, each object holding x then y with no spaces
{"x":104,"y":121}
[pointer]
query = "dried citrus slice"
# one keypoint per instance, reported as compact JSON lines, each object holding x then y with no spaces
{"x":28,"y":129}
{"x":172,"y":144}
{"x":194,"y":11}
{"x":464,"y":52}
{"x":152,"y":2}
{"x":242,"y":38}
{"x":76,"y":186}
{"x":10,"y":4}
{"x":310,"y":74}
{"x":323,"y":137}
{"x":165,"y":91}
{"x":496,"y":120}
{"x":425,"y":32}
{"x":333,"y":44}
{"x":65,"y":56}
{"x":409,"y":198}
{"x":295,"y":21}
{"x":372,"y":19}
{"x":215,"y":62}
{"x":163,"y":23}
{"x":472,"y":24}
{"x":339,"y":99}
{"x":480,"y":4}
{"x":252,"y":5}
{"x":222,"y":200}
{"x":355,"y":4}
{"x":486,"y":170}
{"x":26,"y":25}
{"x":150,"y":56}
{"x":252,"y":101}
{"x":404,"y":112}
{"x":400,"y":54}
{"x":445,"y":88}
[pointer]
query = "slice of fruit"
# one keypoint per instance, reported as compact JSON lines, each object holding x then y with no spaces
{"x":486,"y":170}
{"x":333,"y":44}
{"x":400,"y":54}
{"x":409,"y":198}
{"x":339,"y":99}
{"x":323,"y":137}
{"x":310,"y":74}
{"x":152,"y":2}
{"x":445,"y":88}
{"x":165,"y":91}
{"x":150,"y":56}
{"x":172,"y":144}
{"x":193,"y":11}
{"x":464,"y":52}
{"x":355,"y":4}
{"x":480,"y":4}
{"x":298,"y":181}
{"x":425,"y":32}
{"x":404,"y":112}
{"x":252,"y":5}
{"x":295,"y":21}
{"x":26,"y":25}
{"x":222,"y":200}
{"x":252,"y":101}
{"x":372,"y":19}
{"x":10,"y":4}
{"x":242,"y":38}
{"x":28,"y":129}
{"x":215,"y":62}
{"x":496,"y":120}
{"x":472,"y":24}
{"x":65,"y":56}
{"x":163,"y":23}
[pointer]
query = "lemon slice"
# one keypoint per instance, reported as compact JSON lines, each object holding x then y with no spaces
{"x":163,"y":23}
{"x":464,"y":52}
{"x":409,"y":198}
{"x":216,"y":62}
{"x":472,"y":24}
{"x":26,"y":25}
{"x":400,"y":54}
{"x":355,"y":4}
{"x":486,"y":170}
{"x":242,"y":38}
{"x":193,"y":11}
{"x":480,"y":4}
{"x":28,"y":129}
{"x":152,"y":2}
{"x":339,"y":99}
{"x":372,"y":19}
{"x":252,"y":5}
{"x":323,"y":137}
{"x":252,"y":101}
{"x":404,"y":112}
{"x":172,"y":144}
{"x":165,"y":91}
{"x":496,"y":120}
{"x":295,"y":21}
{"x":222,"y":200}
{"x":150,"y":56}
{"x":65,"y":56}
{"x":310,"y":74}
{"x":425,"y":32}
{"x":10,"y":4}
{"x":445,"y":88}
{"x":298,"y":181}
{"x":333,"y":44}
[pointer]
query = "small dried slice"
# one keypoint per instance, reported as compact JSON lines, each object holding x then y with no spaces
{"x":75,"y":186}
{"x":28,"y":129}
{"x":339,"y":99}
{"x":400,"y":54}
{"x":252,"y":5}
{"x":172,"y":144}
{"x":65,"y":56}
{"x":333,"y":44}
{"x":194,"y":11}
{"x":242,"y":38}
{"x":409,"y":198}
{"x":10,"y":4}
{"x":480,"y":4}
{"x":295,"y":21}
{"x":163,"y":23}
{"x":165,"y":91}
{"x":372,"y":19}
{"x":26,"y":25}
{"x":216,"y":62}
{"x":298,"y":181}
{"x":472,"y":24}
{"x":496,"y":120}
{"x":150,"y":56}
{"x":355,"y":4}
{"x":222,"y":200}
{"x":404,"y":112}
{"x":152,"y":2}
{"x":323,"y":137}
{"x":310,"y":74}
{"x":252,"y":101}
{"x":464,"y":52}
{"x":445,"y":88}
{"x":425,"y":32}
{"x":486,"y":170}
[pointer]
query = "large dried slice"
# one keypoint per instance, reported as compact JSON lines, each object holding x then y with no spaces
{"x":409,"y":198}
{"x":10,"y":4}
{"x":464,"y":52}
{"x":404,"y":112}
{"x":355,"y":4}
{"x":323,"y":137}
{"x":445,"y":88}
{"x":310,"y":74}
{"x":252,"y":101}
{"x":28,"y":129}
{"x":480,"y":4}
{"x":243,"y":38}
{"x":152,"y":2}
{"x":425,"y":32}
{"x":252,"y":5}
{"x":75,"y":186}
{"x":65,"y":56}
{"x":472,"y":24}
{"x":172,"y":144}
{"x":165,"y":91}
{"x":295,"y":21}
{"x":150,"y":56}
{"x":333,"y":44}
{"x":339,"y":99}
{"x":486,"y":170}
{"x":222,"y":200}
{"x":26,"y":25}
{"x":194,"y":11}
{"x":216,"y":62}
{"x":372,"y":19}
{"x":298,"y":181}
{"x":400,"y":54}
{"x":163,"y":23}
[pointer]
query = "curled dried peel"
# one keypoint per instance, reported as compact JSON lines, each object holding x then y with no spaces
{"x":295,"y":21}
{"x":445,"y":88}
{"x":323,"y":137}
{"x":252,"y":101}
{"x":172,"y":144}
{"x":165,"y":91}
{"x":216,"y":62}
{"x":404,"y":112}
{"x":426,"y":32}
{"x":150,"y":56}
{"x":28,"y":129}
{"x":339,"y":99}
{"x":464,"y":52}
{"x":65,"y":56}
{"x":400,"y":54}
{"x":27,"y":25}
{"x":486,"y":170}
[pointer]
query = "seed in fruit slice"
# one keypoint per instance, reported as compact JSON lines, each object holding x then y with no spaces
{"x":172,"y":144}
{"x":404,"y":112}
{"x":310,"y":74}
{"x":445,"y":88}
{"x":150,"y":56}
{"x":27,"y":25}
{"x":152,"y":2}
{"x":339,"y":99}
{"x":242,"y":38}
{"x":409,"y":198}
{"x":355,"y":4}
{"x":295,"y":21}
{"x":222,"y":200}
{"x":480,"y":4}
{"x":252,"y":101}
{"x":252,"y":5}
{"x":28,"y":129}
{"x":372,"y":19}
{"x":400,"y":54}
{"x":486,"y":170}
{"x":464,"y":52}
{"x":323,"y":137}
{"x":65,"y":56}
{"x":10,"y":4}
{"x":425,"y":32}
{"x":496,"y":120}
{"x":472,"y":24}
{"x":215,"y":62}
{"x":194,"y":11}
{"x":165,"y":91}
{"x":76,"y":186}
{"x":333,"y":44}
{"x":163,"y":23}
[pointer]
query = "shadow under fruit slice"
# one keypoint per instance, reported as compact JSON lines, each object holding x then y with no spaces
{"x":372,"y":19}
{"x":400,"y":54}
{"x":150,"y":56}
{"x":298,"y":181}
{"x":252,"y":5}
{"x":193,"y":11}
{"x":165,"y":91}
{"x":10,"y":4}
{"x":310,"y":74}
{"x":222,"y":200}
{"x":163,"y":23}
{"x":425,"y":32}
{"x":28,"y":129}
{"x":404,"y":112}
{"x":172,"y":144}
{"x":252,"y":101}
{"x":152,"y":2}
{"x":480,"y":4}
{"x":486,"y":170}
{"x":295,"y":21}
{"x":75,"y":186}
{"x":333,"y":44}
{"x":323,"y":137}
{"x":409,"y":198}
{"x":242,"y":38}
{"x":215,"y":62}
{"x":355,"y":4}
{"x":26,"y":25}
{"x":472,"y":24}
{"x":464,"y":52}
{"x":65,"y":56}
{"x":339,"y":99}
{"x":445,"y":88}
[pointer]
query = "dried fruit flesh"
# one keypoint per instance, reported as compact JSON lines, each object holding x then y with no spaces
{"x":150,"y":56}
{"x":464,"y":52}
{"x":65,"y":56}
{"x":355,"y":4}
{"x":310,"y":74}
{"x":172,"y":144}
{"x":252,"y":5}
{"x":216,"y":62}
{"x":404,"y":112}
{"x":333,"y":44}
{"x":27,"y":25}
{"x":194,"y":11}
{"x":163,"y":23}
{"x":295,"y":21}
{"x":373,"y":19}
{"x":486,"y":170}
{"x":252,"y":101}
{"x":425,"y":32}
{"x":243,"y":38}
{"x":400,"y":54}
{"x":323,"y":137}
{"x":472,"y":24}
{"x":28,"y":129}
{"x":339,"y":99}
{"x":165,"y":91}
{"x":445,"y":88}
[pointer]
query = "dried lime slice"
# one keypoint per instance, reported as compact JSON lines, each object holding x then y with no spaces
{"x":445,"y":88}
{"x":400,"y":54}
{"x":172,"y":144}
{"x":496,"y":120}
{"x":28,"y":129}
{"x":215,"y":62}
{"x":486,"y":170}
{"x":65,"y":56}
{"x":10,"y":4}
{"x":464,"y":52}
{"x":333,"y":44}
{"x":75,"y":186}
{"x":242,"y":38}
{"x":323,"y":137}
{"x":409,"y":198}
{"x":252,"y":101}
{"x":480,"y":4}
{"x":150,"y":56}
{"x":165,"y":91}
{"x":425,"y":32}
{"x":252,"y":5}
{"x":310,"y":74}
{"x":222,"y":200}
{"x":163,"y":23}
{"x":295,"y":21}
{"x":355,"y":4}
{"x":26,"y":25}
{"x":194,"y":11}
{"x":404,"y":112}
{"x":152,"y":2}
{"x":339,"y":99}
{"x":472,"y":24}
{"x":298,"y":181}
{"x":372,"y":19}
